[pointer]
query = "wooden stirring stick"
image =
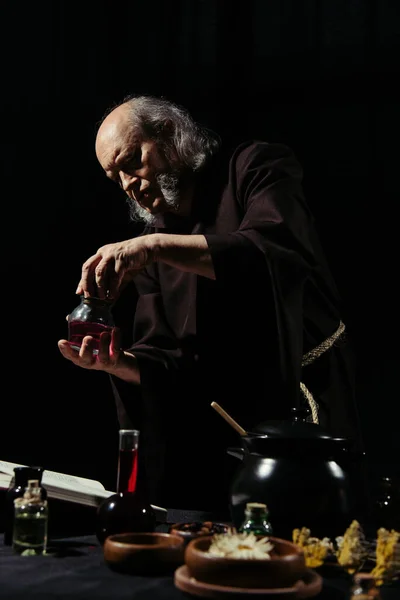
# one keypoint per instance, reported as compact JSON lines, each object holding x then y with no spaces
{"x":228,"y":419}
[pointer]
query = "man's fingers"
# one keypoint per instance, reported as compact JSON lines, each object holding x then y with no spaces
{"x":83,"y":357}
{"x":104,"y":275}
{"x":87,"y":283}
{"x":68,"y":352}
{"x":116,"y":340}
{"x":104,"y":347}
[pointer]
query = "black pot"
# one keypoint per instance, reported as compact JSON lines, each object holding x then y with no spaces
{"x":306,"y":477}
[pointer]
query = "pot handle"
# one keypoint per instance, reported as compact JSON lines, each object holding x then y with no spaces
{"x":236,"y":452}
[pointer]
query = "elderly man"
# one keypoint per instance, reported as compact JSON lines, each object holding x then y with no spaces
{"x":235,"y":301}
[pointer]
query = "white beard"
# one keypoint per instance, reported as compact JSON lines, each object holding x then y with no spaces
{"x":169,"y":186}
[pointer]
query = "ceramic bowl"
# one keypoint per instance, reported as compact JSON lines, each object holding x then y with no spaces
{"x":144,"y":553}
{"x":195,"y":529}
{"x":285,"y":567}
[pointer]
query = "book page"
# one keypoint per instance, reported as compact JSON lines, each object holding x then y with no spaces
{"x":58,"y":479}
{"x":8,"y":467}
{"x":77,"y":489}
{"x":71,"y":481}
{"x":5,"y":481}
{"x":81,"y":495}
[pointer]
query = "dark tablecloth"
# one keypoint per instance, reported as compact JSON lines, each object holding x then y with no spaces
{"x":77,"y":571}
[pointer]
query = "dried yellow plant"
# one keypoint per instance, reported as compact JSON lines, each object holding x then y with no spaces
{"x":387,"y":556}
{"x":352,"y":548}
{"x":315,"y":550}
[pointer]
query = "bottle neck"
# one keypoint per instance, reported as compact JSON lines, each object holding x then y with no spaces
{"x":32,"y":494}
{"x":128,"y":467}
{"x":256,"y":512}
{"x":256,"y":517}
{"x":97,"y":302}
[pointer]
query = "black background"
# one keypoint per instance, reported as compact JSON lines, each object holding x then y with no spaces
{"x":319,"y":75}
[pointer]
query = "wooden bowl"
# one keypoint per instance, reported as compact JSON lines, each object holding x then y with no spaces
{"x":194,"y":529}
{"x":285,"y":567}
{"x":147,"y":553}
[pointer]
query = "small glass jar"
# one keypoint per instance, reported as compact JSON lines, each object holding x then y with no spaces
{"x":91,"y":317}
{"x":256,"y":519}
{"x":16,"y":490}
{"x":30,"y":521}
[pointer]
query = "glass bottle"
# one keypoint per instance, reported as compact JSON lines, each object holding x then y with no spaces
{"x":301,"y":414}
{"x":128,"y":510}
{"x":364,"y":587}
{"x":91,"y":317}
{"x":386,"y":502}
{"x":16,"y":490}
{"x":30,"y":521}
{"x":256,"y":519}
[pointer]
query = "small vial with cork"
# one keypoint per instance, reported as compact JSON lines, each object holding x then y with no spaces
{"x":256,"y":519}
{"x":22,"y":474}
{"x":30,"y":521}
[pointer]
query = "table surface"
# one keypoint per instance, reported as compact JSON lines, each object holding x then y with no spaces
{"x":77,"y":570}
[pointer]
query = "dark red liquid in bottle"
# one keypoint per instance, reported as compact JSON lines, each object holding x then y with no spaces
{"x":79,"y":329}
{"x":128,"y":510}
{"x":127,"y":471}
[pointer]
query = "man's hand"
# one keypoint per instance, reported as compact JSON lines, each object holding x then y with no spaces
{"x":113,"y":266}
{"x":110,"y":357}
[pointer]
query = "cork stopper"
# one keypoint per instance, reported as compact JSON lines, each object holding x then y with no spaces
{"x":33,"y":484}
{"x":256,"y":508}
{"x":32,"y":493}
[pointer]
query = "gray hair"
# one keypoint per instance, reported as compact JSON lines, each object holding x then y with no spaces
{"x":174,"y":129}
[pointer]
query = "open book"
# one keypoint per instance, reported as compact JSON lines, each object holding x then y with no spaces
{"x":71,"y":488}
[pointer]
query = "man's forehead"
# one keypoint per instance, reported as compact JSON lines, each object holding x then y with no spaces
{"x":117,"y":129}
{"x":120,"y":114}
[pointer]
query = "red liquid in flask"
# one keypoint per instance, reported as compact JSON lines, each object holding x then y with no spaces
{"x":129,"y":509}
{"x":127,"y":470}
{"x":79,"y":329}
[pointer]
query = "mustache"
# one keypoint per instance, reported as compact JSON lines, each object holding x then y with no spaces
{"x":138,"y":214}
{"x":169,"y":184}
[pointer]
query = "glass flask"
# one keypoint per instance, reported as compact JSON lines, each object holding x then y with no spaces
{"x":128,"y":510}
{"x":256,"y":519}
{"x":16,"y":490}
{"x":30,"y":521}
{"x":91,"y":317}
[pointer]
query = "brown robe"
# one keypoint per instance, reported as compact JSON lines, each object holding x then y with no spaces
{"x":238,"y":340}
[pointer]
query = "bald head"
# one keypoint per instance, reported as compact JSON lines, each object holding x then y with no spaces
{"x":171,"y":126}
{"x":117,"y":128}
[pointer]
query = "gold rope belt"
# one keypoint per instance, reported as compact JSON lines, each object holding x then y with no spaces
{"x":309,"y":358}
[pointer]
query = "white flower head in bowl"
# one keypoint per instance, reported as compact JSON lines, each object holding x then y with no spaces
{"x":240,"y":545}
